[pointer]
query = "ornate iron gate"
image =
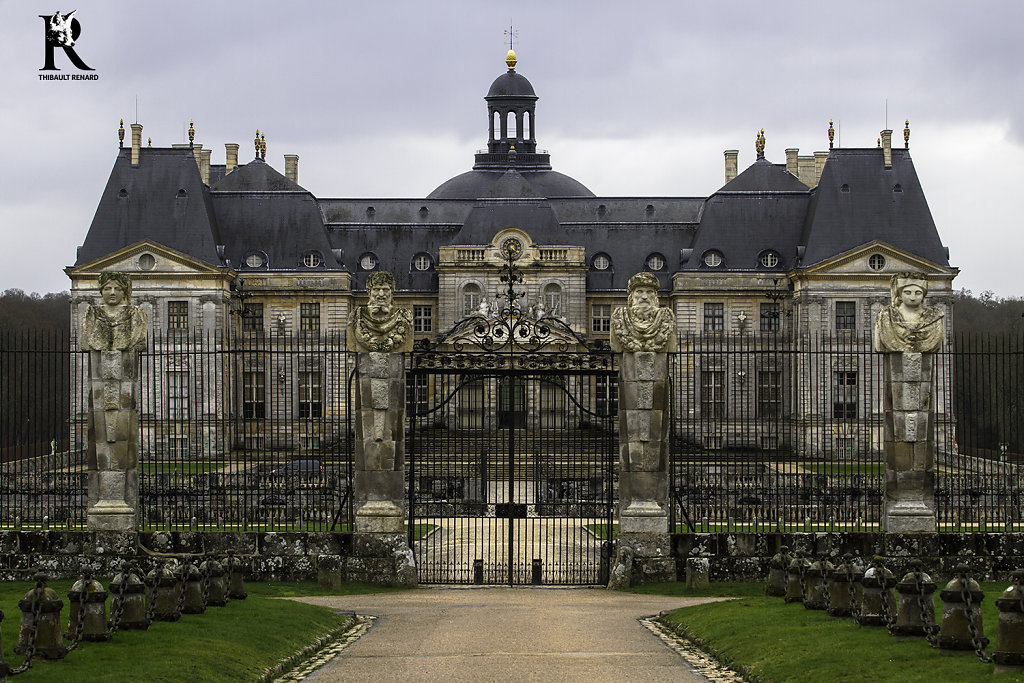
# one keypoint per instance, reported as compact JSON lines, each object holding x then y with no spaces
{"x":511,"y":451}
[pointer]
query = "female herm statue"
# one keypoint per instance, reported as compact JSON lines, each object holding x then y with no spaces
{"x":907,"y":325}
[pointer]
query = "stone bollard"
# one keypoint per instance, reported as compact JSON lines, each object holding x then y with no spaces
{"x":795,"y":578}
{"x":698,"y":573}
{"x":165,"y":590}
{"x":193,"y":578}
{"x":915,"y":617}
{"x":217,"y":592}
{"x":236,"y":578}
{"x":815,"y":582}
{"x":1009,"y":652}
{"x":844,"y":587}
{"x":128,"y":606}
{"x":878,"y":600}
{"x":777,"y":566}
{"x":40,"y":634}
{"x":962,"y":626}
{"x":88,"y":594}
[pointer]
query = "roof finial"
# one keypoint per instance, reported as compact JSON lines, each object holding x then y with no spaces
{"x":906,"y":134}
{"x":510,"y":58}
{"x":120,"y":135}
{"x":256,"y":142}
{"x":263,"y":146}
{"x":831,"y":133}
{"x":759,"y":144}
{"x":878,"y":143}
{"x":512,"y":153}
{"x":150,"y":142}
{"x":191,"y":133}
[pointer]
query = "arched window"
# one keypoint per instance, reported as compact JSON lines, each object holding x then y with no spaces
{"x":552,"y":299}
{"x":312,"y":259}
{"x":512,"y":128}
{"x":422,"y":262}
{"x":496,"y":126}
{"x":470,"y":299}
{"x":368,"y":261}
{"x":528,"y":126}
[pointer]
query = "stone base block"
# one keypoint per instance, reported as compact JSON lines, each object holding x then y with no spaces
{"x":111,"y":515}
{"x":908,"y":517}
{"x":698,"y":571}
{"x":380,"y":517}
{"x":642,"y":558}
{"x":643,"y":517}
{"x":379,"y":559}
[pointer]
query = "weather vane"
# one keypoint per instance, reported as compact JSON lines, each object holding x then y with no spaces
{"x":511,"y":34}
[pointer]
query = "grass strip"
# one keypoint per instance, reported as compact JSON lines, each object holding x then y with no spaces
{"x":237,"y":642}
{"x":770,"y":641}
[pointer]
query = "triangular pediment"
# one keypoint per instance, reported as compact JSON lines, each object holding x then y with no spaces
{"x":858,"y":261}
{"x":129,"y":259}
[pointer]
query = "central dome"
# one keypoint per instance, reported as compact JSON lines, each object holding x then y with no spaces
{"x":511,"y":84}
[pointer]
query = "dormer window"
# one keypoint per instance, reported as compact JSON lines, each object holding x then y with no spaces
{"x":312,"y":260}
{"x":422,"y":262}
{"x":770,"y":259}
{"x":655,"y":262}
{"x":601,"y":262}
{"x":713,"y":259}
{"x":255,"y":260}
{"x":368,"y":261}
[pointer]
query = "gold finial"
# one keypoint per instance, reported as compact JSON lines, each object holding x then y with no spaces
{"x":150,"y":142}
{"x":878,"y":142}
{"x":759,"y":144}
{"x":906,"y":134}
{"x":831,"y":133}
{"x":120,"y":135}
{"x":191,"y":133}
{"x":510,"y":58}
{"x":263,"y":146}
{"x":257,"y":143}
{"x":512,"y":153}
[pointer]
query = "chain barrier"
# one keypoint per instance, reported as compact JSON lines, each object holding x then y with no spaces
{"x":801,"y":569}
{"x":117,"y":602}
{"x":888,"y":614}
{"x":850,"y":586}
{"x":150,"y":595}
{"x":30,"y":648}
{"x":206,"y":572}
{"x":931,"y":629}
{"x":965,"y":595}
{"x":182,"y":573}
{"x":86,"y":580}
{"x":825,"y":594}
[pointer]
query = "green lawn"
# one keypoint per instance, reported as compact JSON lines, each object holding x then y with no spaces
{"x":232,"y":643}
{"x":876,"y":469}
{"x":772,"y":642}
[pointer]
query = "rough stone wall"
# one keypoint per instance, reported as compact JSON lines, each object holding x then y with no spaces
{"x":270,"y":556}
{"x":745,"y":556}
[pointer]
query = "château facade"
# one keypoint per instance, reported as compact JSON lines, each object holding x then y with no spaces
{"x":781,"y":255}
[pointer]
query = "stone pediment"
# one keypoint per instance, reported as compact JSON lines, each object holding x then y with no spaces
{"x":134,"y":259}
{"x":857,"y":261}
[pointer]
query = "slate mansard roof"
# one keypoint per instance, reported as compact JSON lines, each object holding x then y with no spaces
{"x":256,"y":209}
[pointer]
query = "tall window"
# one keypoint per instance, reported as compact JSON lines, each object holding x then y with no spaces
{"x":770,"y":314}
{"x":601,"y":317}
{"x":606,"y":396}
{"x":309,"y":317}
{"x":712,"y":393}
{"x":552,"y":299}
{"x":470,"y":299}
{"x":311,"y":393}
{"x":416,"y":396}
{"x":177,"y":394}
{"x":252,"y":317}
{"x":177,"y":315}
{"x":714,"y":317}
{"x":846,"y":316}
{"x":769,"y":393}
{"x":844,"y":395}
{"x":254,"y":395}
{"x":422,"y":318}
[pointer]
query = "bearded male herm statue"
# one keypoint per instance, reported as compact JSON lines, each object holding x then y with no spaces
{"x":641,"y":325}
{"x":380,"y":325}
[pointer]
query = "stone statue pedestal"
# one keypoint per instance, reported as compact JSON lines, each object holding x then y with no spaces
{"x":643,"y":442}
{"x":379,"y":485}
{"x":909,"y":504}
{"x":113,"y":455}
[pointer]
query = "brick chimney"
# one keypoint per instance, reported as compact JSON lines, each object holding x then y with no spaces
{"x":887,"y":147}
{"x":204,"y":165}
{"x":731,"y":163}
{"x":291,"y":167}
{"x":819,"y":165}
{"x":136,"y":142}
{"x":231,"y":156}
{"x":793,"y":160}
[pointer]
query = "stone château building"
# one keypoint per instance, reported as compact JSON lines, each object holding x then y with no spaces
{"x":794,"y":251}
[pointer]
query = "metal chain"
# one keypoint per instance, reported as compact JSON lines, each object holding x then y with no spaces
{"x":182,"y":578}
{"x":117,"y":604}
{"x":801,"y":569}
{"x":854,"y":606}
{"x":229,"y":575}
{"x":965,"y":594}
{"x":37,"y":608}
{"x":206,"y":582}
{"x":931,"y":629}
{"x":826,"y":596}
{"x":150,"y":597}
{"x":887,"y":612}
{"x":80,"y":622}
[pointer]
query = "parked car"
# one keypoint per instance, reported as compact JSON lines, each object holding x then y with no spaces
{"x":299,"y":467}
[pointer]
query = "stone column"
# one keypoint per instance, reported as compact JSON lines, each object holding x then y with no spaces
{"x":113,"y":450}
{"x":380,"y":442}
{"x":643,"y":442}
{"x":909,"y":443}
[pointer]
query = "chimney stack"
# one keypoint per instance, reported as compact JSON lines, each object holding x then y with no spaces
{"x":793,"y":160}
{"x":204,"y":165}
{"x":232,"y":157}
{"x":887,"y":147}
{"x":291,"y":167}
{"x":136,"y":142}
{"x":819,"y":165}
{"x":731,"y":163}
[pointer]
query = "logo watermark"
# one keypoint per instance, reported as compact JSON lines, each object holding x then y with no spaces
{"x":62,"y":31}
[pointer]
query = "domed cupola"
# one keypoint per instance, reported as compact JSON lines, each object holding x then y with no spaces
{"x":511,"y":105}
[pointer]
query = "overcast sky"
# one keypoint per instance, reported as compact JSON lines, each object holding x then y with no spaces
{"x":385,"y":99}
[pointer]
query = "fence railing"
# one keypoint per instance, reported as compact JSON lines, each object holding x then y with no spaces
{"x":768,"y":431}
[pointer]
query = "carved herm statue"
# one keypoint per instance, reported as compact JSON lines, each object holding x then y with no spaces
{"x":380,"y":325}
{"x":641,"y":325}
{"x":114,"y":324}
{"x":907,"y":325}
